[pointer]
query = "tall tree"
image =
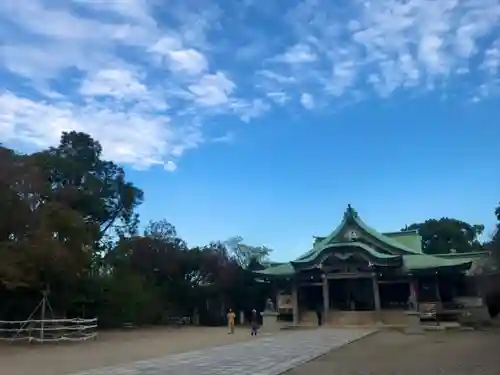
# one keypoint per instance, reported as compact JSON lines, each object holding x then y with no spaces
{"x":41,"y":240}
{"x":494,"y":244}
{"x":246,"y":254}
{"x":94,"y":187}
{"x":164,"y":231}
{"x":445,"y":235}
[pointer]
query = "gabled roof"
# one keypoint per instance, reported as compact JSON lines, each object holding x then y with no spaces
{"x":311,"y":256}
{"x":351,"y":216}
{"x":410,"y":253}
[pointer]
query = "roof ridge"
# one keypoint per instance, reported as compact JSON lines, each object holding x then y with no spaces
{"x":411,"y":231}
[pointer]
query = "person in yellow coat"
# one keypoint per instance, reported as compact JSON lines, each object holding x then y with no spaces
{"x":231,"y":316}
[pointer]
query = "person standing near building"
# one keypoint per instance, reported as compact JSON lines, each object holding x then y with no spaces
{"x":319,"y":315}
{"x":231,"y":316}
{"x":254,"y":323}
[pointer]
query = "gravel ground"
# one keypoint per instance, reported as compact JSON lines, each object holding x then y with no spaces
{"x":112,"y":348}
{"x":394,"y":353}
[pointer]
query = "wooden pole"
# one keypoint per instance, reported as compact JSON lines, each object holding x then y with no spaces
{"x":44,"y":308}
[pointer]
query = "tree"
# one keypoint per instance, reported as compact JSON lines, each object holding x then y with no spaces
{"x":246,"y":254}
{"x":162,"y":230}
{"x":41,"y":240}
{"x":68,"y":221}
{"x":445,"y":235}
{"x":166,"y":263}
{"x":94,"y":187}
{"x":494,"y":244}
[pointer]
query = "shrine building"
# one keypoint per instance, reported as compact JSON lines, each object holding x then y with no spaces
{"x":356,"y":275}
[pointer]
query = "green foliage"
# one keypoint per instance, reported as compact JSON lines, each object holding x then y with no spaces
{"x":494,"y":244}
{"x":128,"y":298}
{"x":69,"y":223}
{"x":246,"y":255}
{"x":96,"y":188}
{"x":445,"y":235}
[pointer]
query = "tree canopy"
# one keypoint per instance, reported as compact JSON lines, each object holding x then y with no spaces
{"x":446,"y":235}
{"x":69,"y":224}
{"x":247,"y":254}
{"x":494,"y":244}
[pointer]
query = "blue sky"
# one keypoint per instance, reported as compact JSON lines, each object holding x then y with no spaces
{"x":265,"y":119}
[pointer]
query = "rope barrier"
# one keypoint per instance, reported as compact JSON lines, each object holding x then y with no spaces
{"x":48,"y":330}
{"x":74,"y":320}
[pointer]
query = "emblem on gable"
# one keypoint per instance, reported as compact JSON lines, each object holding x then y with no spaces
{"x":351,"y":235}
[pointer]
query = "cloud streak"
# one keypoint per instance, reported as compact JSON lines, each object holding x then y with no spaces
{"x":147,"y":80}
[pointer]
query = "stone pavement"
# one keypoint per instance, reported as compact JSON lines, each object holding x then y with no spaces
{"x":267,"y":355}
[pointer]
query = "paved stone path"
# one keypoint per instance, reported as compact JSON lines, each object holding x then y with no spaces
{"x":271,"y":355}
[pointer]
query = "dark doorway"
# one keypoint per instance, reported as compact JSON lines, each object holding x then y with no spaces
{"x":311,"y":296}
{"x":352,"y":294}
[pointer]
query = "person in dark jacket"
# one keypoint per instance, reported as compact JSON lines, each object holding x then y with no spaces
{"x":319,"y":315}
{"x":254,"y":323}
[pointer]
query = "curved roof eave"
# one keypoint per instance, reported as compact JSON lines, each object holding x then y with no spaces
{"x":317,"y":254}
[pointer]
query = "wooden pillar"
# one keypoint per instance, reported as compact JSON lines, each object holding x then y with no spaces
{"x":413,"y":295}
{"x":438,"y":291}
{"x":295,"y":302}
{"x":326,"y":297}
{"x":376,"y":293}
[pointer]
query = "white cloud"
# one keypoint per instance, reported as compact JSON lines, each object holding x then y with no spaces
{"x":189,"y":60}
{"x":179,"y":59}
{"x":299,"y":53}
{"x":307,"y":100}
{"x":166,"y":44}
{"x":146,"y":85}
{"x":248,"y":110}
{"x":279,"y":97}
{"x":212,"y":89}
{"x":128,"y":136}
{"x":104,"y":73}
{"x":387,"y":45}
{"x":170,"y":166}
{"x":226,"y":138}
{"x":491,"y":61}
{"x":113,"y":82}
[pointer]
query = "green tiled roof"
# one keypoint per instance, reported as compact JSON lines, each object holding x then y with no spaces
{"x":285,"y":269}
{"x":405,"y":244}
{"x":318,"y":250}
{"x":411,"y":239}
{"x":424,"y":261}
{"x":352,"y":215}
{"x":472,"y":255}
{"x":414,"y":262}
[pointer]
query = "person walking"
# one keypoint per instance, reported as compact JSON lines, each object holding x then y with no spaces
{"x":231,"y":316}
{"x":319,"y":315}
{"x":254,"y":323}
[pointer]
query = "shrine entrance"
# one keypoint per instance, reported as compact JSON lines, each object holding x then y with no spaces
{"x":351,"y":294}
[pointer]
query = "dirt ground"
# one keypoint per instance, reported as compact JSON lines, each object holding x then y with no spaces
{"x":388,"y":352}
{"x":111,"y":348}
{"x":394,"y":353}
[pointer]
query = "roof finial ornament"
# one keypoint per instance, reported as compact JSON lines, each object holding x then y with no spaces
{"x":351,"y":211}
